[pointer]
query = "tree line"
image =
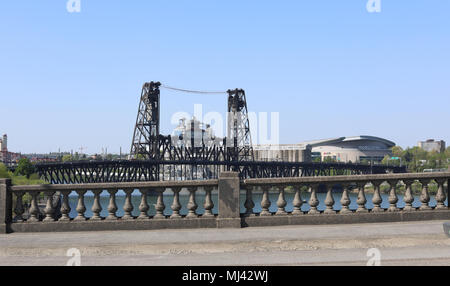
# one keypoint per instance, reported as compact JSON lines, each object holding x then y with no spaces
{"x":417,"y":160}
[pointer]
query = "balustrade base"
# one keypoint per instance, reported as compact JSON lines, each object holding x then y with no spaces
{"x":109,"y":225}
{"x":229,"y":223}
{"x":347,"y":218}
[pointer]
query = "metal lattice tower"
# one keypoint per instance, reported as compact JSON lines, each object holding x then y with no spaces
{"x":145,"y":143}
{"x":239,"y":141}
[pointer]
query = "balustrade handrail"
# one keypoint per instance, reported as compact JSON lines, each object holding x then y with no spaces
{"x":349,"y":179}
{"x":124,"y":185}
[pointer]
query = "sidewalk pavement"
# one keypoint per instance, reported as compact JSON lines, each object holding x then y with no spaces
{"x":411,"y":243}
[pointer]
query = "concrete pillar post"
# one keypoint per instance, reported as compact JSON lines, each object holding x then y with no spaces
{"x":229,"y":206}
{"x":5,"y":205}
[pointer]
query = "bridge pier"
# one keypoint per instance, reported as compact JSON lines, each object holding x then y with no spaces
{"x":5,"y":205}
{"x":229,"y":190}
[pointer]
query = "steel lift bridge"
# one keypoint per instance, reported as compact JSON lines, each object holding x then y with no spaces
{"x":156,"y":157}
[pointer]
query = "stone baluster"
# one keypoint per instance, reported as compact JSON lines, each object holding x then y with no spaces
{"x":265,"y":202}
{"x":393,"y":198}
{"x":425,"y":196}
{"x":192,"y":205}
{"x":176,"y":206}
{"x":345,"y":200}
{"x":281,"y":202}
{"x":112,"y":206}
{"x":49,"y":210}
{"x":81,"y":208}
{"x":160,"y":206}
{"x":361,"y":198}
{"x":34,"y":208}
{"x":313,"y":201}
{"x":297,"y":202}
{"x":440,"y":196}
{"x":143,"y":206}
{"x":408,"y":198}
{"x":96,"y":207}
{"x":19,"y":209}
{"x":329,"y":200}
{"x":377,"y":200}
{"x":128,"y":206}
{"x":208,"y":205}
{"x":249,"y":203}
{"x":65,"y":206}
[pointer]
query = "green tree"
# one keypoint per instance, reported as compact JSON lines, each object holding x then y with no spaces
{"x":386,"y":160}
{"x":4,"y":172}
{"x":24,"y":168}
{"x":67,"y":158}
{"x":365,"y":162}
{"x":397,"y":151}
{"x":329,"y":159}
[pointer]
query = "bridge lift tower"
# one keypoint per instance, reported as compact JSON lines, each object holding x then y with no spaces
{"x":145,"y":143}
{"x":238,"y":127}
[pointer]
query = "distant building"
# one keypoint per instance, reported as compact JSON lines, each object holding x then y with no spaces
{"x":283,"y":152}
{"x":4,"y":143}
{"x":432,"y":145}
{"x":351,"y":149}
{"x":6,"y":157}
{"x":50,"y":157}
{"x":343,"y":149}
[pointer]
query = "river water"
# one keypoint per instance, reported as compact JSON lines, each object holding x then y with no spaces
{"x":200,"y":198}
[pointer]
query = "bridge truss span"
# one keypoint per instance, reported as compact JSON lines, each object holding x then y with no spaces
{"x":185,"y":170}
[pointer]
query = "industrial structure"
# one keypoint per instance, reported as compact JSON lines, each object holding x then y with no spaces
{"x":192,"y":152}
{"x":149,"y":144}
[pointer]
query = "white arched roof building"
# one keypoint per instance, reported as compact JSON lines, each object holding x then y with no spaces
{"x":352,"y":149}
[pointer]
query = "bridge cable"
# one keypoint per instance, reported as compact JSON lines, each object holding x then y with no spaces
{"x":193,"y":91}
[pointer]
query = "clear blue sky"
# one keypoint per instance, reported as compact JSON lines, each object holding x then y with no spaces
{"x":329,"y":67}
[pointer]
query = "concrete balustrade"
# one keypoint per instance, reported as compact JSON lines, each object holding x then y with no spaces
{"x":32,"y":218}
{"x":358,"y":184}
